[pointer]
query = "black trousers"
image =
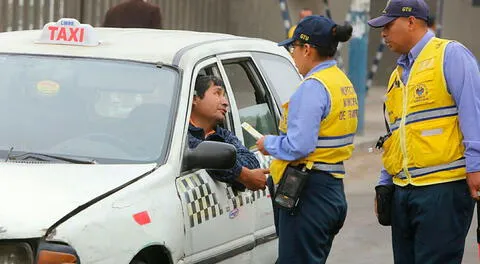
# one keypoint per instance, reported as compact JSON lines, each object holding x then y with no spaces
{"x":430,"y":223}
{"x":307,"y":236}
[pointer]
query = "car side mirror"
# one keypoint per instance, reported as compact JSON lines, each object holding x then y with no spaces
{"x":210,"y":155}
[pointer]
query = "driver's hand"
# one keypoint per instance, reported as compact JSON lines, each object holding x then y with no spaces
{"x":254,"y":179}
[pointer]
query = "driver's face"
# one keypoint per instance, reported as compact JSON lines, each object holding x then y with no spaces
{"x":213,"y":105}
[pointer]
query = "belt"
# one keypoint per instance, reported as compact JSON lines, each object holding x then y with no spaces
{"x":326,"y":167}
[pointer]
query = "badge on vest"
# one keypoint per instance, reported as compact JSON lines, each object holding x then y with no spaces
{"x":421,"y":93}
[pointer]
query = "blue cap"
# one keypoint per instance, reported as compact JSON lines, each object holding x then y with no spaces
{"x":401,"y":8}
{"x":315,"y":30}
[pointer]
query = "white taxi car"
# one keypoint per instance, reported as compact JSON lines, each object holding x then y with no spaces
{"x":95,"y":166}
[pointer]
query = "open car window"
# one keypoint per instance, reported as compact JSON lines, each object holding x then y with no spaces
{"x":254,"y":101}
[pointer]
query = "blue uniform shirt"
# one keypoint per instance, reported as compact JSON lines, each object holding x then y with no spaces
{"x":245,"y":158}
{"x":463,"y":82}
{"x":308,"y":106}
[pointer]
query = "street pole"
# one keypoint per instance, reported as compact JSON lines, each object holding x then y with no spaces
{"x":358,"y":51}
{"x":439,"y":18}
{"x":376,"y":61}
{"x":287,"y":23}
{"x":327,"y":9}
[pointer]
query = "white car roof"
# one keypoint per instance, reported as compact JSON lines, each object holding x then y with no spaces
{"x":146,"y":45}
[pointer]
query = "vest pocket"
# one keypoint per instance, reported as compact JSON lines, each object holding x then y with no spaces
{"x":419,"y":89}
{"x":434,"y":142}
{"x":392,"y":156}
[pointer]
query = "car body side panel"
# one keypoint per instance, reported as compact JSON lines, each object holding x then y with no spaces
{"x":118,"y":227}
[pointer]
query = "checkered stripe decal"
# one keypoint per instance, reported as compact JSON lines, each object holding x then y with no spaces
{"x":264,"y":160}
{"x":259,"y":194}
{"x":202,"y":203}
{"x":264,"y":164}
{"x":237,"y":199}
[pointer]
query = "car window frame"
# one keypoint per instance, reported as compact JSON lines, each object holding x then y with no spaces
{"x":273,"y":97}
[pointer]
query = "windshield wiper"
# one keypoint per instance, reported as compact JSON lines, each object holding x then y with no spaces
{"x":42,"y":156}
{"x":8,"y":155}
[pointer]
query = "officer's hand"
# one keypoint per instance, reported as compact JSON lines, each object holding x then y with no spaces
{"x":261,"y":146}
{"x":473,"y":181}
{"x":254,"y":179}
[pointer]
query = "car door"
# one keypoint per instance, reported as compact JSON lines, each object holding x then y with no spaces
{"x":218,"y":221}
{"x":256,"y":105}
{"x":280,"y":74}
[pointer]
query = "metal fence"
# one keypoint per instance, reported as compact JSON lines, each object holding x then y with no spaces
{"x":199,"y":15}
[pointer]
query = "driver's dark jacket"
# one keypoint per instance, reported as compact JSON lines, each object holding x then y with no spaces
{"x":245,"y":158}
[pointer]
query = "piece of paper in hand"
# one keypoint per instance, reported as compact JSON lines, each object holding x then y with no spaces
{"x":252,"y":131}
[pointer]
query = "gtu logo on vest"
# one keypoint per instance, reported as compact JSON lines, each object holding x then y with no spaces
{"x":421,"y":93}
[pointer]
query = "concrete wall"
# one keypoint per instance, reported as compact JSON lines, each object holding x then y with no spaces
{"x":462,"y":24}
{"x":199,"y":15}
{"x":262,"y":18}
{"x":256,"y":18}
{"x":253,"y":18}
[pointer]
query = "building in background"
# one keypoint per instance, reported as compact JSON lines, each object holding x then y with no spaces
{"x":253,"y":18}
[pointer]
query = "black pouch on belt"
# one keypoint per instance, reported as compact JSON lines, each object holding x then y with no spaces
{"x":290,"y":187}
{"x":384,"y":196}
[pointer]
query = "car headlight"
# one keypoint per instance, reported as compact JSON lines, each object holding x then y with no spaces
{"x":16,"y":253}
{"x":51,"y":253}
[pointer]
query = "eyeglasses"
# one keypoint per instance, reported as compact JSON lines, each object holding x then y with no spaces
{"x":292,"y":46}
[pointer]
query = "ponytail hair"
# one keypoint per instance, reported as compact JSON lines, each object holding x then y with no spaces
{"x":342,"y":33}
{"x":338,"y":34}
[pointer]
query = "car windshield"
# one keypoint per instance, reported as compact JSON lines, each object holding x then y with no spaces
{"x":109,"y":111}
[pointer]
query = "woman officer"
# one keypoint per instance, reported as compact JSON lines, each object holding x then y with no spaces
{"x":317,"y":130}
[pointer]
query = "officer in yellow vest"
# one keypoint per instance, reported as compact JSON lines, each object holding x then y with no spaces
{"x":303,"y":14}
{"x":317,"y":130}
{"x":432,"y":150}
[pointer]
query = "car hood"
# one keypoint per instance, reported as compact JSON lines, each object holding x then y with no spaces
{"x":34,"y":196}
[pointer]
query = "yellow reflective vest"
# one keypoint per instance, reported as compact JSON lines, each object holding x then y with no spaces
{"x":335,"y":137}
{"x":291,"y":31}
{"x":425,"y":146}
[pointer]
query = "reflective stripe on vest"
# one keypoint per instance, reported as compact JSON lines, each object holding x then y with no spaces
{"x":426,"y":115}
{"x":335,"y":142}
{"x":332,"y":168}
{"x":417,"y":172}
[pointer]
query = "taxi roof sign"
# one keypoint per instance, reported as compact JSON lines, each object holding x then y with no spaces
{"x":68,"y":31}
